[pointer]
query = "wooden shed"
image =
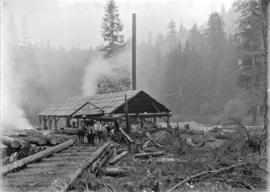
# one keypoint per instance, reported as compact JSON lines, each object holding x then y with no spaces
{"x":110,"y":105}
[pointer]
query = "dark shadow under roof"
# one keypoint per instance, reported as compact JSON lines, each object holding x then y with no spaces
{"x":109,"y":103}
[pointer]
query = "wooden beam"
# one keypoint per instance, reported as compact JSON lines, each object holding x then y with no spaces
{"x":51,"y":121}
{"x":126,"y":113}
{"x":44,"y":123}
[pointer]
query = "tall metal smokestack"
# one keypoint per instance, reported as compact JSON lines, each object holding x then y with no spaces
{"x":134,"y":51}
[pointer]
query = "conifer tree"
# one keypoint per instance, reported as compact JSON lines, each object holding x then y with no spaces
{"x":111,"y":30}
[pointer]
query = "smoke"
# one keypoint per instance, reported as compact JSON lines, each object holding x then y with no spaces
{"x":97,"y":68}
{"x":12,"y":114}
{"x":115,"y":68}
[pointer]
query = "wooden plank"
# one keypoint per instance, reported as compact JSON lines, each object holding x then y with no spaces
{"x":71,"y":158}
{"x":44,"y":172}
{"x":51,"y":164}
{"x":81,"y":153}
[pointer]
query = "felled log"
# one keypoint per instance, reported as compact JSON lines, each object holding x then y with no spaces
{"x":113,"y":171}
{"x":169,"y":160}
{"x":49,"y":136}
{"x":116,"y":158}
{"x":105,"y":159}
{"x":39,"y":137}
{"x":126,"y":135}
{"x":213,"y":172}
{"x":86,"y":163}
{"x":11,"y":142}
{"x":35,"y":157}
{"x":61,"y":138}
{"x":68,"y":131}
{"x":36,"y":139}
{"x":150,"y":154}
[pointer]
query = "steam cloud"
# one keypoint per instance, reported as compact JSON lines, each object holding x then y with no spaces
{"x":12,"y":114}
{"x":96,"y":69}
{"x":99,"y":67}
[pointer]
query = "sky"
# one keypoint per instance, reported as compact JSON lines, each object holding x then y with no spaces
{"x":69,"y":23}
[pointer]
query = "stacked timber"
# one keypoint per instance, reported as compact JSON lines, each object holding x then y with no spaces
{"x":22,"y":143}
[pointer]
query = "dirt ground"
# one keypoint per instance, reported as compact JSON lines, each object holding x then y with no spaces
{"x":205,"y":152}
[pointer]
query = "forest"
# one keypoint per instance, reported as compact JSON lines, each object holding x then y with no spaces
{"x":207,"y":73}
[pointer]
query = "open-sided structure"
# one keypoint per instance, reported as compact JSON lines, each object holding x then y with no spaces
{"x":139,"y":104}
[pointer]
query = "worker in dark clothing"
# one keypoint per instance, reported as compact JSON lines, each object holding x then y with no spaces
{"x":91,"y":136}
{"x":82,"y":133}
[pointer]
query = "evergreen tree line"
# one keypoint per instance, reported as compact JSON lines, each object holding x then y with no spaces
{"x":200,"y":74}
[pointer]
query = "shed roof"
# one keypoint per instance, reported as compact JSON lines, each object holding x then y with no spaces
{"x":138,"y":102}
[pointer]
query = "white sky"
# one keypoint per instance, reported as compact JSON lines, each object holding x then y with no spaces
{"x":78,"y":22}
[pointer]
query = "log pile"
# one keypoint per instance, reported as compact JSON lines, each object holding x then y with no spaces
{"x":22,"y":143}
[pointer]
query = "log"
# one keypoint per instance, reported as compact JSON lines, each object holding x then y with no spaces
{"x":113,"y":171}
{"x":49,"y":159}
{"x":11,"y":142}
{"x":47,"y":136}
{"x":36,"y":139}
{"x":65,"y":137}
{"x":126,"y":135}
{"x":50,"y":136}
{"x":54,"y":164}
{"x":150,"y":154}
{"x":105,"y":159}
{"x":214,"y":172}
{"x":85,"y":164}
{"x":68,"y":131}
{"x":116,"y":158}
{"x":35,"y":157}
{"x":170,"y":160}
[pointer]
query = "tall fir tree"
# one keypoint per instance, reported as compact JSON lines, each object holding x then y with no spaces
{"x":172,"y":30}
{"x":111,"y":30}
{"x":216,"y":44}
{"x":252,"y":77}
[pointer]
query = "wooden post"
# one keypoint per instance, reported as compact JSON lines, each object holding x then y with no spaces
{"x":141,"y":122}
{"x":55,"y":122}
{"x":50,"y":122}
{"x":67,"y":122}
{"x":133,"y":51}
{"x":168,"y":121}
{"x":39,"y":121}
{"x":126,"y":112}
{"x":44,"y":123}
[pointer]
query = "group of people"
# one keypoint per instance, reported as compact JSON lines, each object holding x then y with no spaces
{"x":96,"y":132}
